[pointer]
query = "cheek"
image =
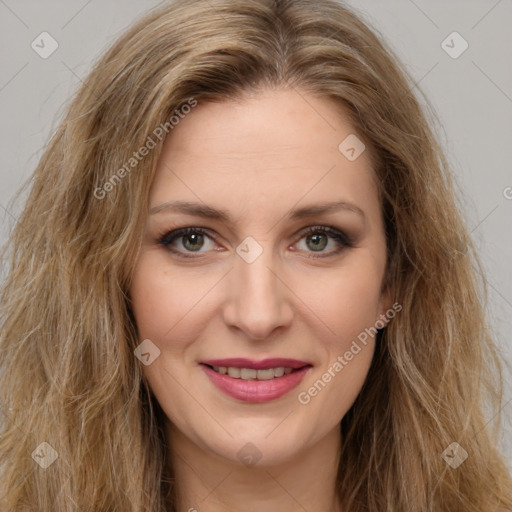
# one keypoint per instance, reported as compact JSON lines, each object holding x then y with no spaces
{"x":163,"y":299}
{"x":349,"y":307}
{"x":346,"y":301}
{"x":163,"y":302}
{"x":171,"y":303}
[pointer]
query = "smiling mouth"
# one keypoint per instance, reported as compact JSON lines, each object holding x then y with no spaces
{"x":253,"y":374}
{"x":253,"y":381}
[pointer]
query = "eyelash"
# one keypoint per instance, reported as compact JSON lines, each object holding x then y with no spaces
{"x":343,"y":240}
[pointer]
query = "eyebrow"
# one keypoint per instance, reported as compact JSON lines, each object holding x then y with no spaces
{"x":202,"y":210}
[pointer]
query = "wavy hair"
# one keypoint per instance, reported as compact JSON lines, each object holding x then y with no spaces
{"x":68,"y":375}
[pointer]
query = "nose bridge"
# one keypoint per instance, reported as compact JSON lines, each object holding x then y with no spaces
{"x":258,"y":302}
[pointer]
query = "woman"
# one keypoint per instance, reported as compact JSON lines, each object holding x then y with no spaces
{"x":240,"y":281}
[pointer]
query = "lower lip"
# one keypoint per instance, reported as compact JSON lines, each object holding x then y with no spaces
{"x":255,"y":391}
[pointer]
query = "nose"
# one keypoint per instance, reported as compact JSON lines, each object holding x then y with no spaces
{"x":258,"y":298}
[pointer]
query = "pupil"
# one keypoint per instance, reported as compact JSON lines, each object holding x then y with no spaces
{"x":319,"y":241}
{"x":197,"y":237}
{"x":316,"y":240}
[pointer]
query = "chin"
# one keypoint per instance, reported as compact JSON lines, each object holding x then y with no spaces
{"x":264,"y":447}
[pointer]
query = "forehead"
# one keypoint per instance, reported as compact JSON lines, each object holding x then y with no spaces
{"x":272,"y":148}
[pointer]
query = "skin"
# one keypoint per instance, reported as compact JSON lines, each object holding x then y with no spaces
{"x":258,"y":158}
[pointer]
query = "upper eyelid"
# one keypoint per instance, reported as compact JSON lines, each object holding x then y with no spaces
{"x":213,"y":234}
{"x":178,"y":233}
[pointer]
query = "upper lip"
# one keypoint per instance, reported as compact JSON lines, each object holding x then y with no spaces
{"x":242,"y":362}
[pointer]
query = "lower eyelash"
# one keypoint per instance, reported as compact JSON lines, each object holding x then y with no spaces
{"x":343,"y":240}
{"x":167,"y":238}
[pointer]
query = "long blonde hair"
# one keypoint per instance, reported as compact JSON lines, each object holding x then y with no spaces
{"x":68,"y":375}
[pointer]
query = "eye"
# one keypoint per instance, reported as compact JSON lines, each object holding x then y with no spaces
{"x":192,"y":240}
{"x":317,"y":238}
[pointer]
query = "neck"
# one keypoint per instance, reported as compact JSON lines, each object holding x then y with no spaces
{"x":207,"y":482}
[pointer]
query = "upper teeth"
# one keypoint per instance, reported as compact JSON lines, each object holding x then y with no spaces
{"x":251,"y":373}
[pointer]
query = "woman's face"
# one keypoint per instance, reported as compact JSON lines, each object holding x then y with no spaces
{"x":253,"y":285}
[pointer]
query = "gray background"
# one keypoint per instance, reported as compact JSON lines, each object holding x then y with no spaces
{"x":471,"y":95}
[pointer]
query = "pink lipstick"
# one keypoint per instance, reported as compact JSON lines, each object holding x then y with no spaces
{"x":255,"y":381}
